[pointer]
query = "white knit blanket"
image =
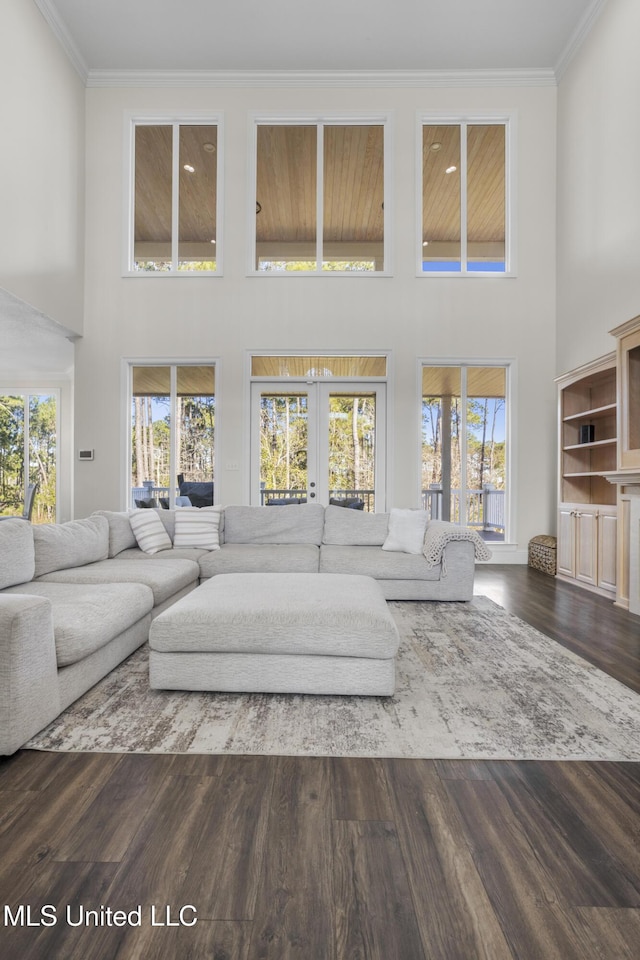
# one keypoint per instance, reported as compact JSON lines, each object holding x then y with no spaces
{"x":440,"y":532}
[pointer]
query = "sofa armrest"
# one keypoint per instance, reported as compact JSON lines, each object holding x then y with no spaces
{"x":458,"y":567}
{"x":29,"y":693}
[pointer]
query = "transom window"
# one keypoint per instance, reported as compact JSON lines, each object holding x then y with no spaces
{"x":320,"y":197}
{"x":464,"y":225}
{"x":174,"y":222}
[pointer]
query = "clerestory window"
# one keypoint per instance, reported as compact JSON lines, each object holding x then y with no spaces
{"x":174,"y":216}
{"x":320,"y":197}
{"x":466,"y":210}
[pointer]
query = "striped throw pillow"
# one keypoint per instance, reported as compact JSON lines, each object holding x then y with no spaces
{"x":197,"y":527}
{"x":149,"y":531}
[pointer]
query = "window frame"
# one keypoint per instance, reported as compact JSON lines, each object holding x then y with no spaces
{"x":385,"y":120}
{"x":149,"y":118}
{"x":172,"y":363}
{"x":386,"y":424}
{"x":464,"y":119}
{"x":26,"y":393}
{"x":510,"y":366}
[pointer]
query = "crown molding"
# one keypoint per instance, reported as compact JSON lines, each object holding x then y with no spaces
{"x":325,"y":78}
{"x":64,"y":38}
{"x":578,"y":37}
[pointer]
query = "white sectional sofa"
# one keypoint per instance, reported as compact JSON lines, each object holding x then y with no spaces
{"x":69,"y":615}
{"x":310,"y":538}
{"x":77,"y":598}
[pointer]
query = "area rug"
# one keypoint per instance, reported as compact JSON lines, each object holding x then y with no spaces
{"x":473,"y":682}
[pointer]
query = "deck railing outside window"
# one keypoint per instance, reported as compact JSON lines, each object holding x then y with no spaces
{"x":485,"y":508}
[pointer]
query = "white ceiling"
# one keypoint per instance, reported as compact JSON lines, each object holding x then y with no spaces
{"x":333,"y":35}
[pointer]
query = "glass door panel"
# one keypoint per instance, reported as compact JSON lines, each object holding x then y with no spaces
{"x":485,"y":450}
{"x":43,"y":455}
{"x":441,"y":422}
{"x":12,"y":475}
{"x":195,"y":430}
{"x":351,"y":449}
{"x":150,"y":434}
{"x":284,"y":444}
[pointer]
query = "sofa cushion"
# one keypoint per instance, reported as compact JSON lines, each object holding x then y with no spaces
{"x":302,"y":523}
{"x":165,"y":579}
{"x":406,"y":531}
{"x":17,"y":554}
{"x":176,"y":553}
{"x":376,"y":562}
{"x":62,"y":545}
{"x":197,"y":527}
{"x":149,"y":531}
{"x":261,"y":558}
{"x":121,"y":535}
{"x":354,"y":528}
{"x":86,"y":618}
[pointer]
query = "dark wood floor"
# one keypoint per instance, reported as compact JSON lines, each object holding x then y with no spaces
{"x":335,"y":859}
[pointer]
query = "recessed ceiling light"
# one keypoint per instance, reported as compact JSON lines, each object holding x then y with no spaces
{"x":212,"y":241}
{"x":451,"y":169}
{"x":189,"y":168}
{"x":436,"y":146}
{"x":209,"y":147}
{"x":425,"y":243}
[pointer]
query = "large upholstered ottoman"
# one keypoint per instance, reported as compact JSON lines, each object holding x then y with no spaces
{"x":277,"y":633}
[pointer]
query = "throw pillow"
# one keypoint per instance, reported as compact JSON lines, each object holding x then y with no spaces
{"x":406,"y":530}
{"x":149,"y":531}
{"x":198,"y":527}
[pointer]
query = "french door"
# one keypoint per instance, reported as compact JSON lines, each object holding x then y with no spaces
{"x":318,"y":442}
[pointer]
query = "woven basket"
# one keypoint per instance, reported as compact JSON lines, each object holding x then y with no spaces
{"x":542,"y":554}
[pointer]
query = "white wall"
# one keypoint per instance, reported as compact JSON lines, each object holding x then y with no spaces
{"x":599,"y":187}
{"x":41,"y":167}
{"x":413,"y":317}
{"x":42,"y":217}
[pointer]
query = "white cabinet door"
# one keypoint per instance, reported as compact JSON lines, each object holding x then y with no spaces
{"x":607,"y":550}
{"x":586,"y":527}
{"x":566,"y":563}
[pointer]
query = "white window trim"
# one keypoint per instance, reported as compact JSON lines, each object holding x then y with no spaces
{"x":131,"y":121}
{"x":510,"y":365}
{"x":126,"y":394}
{"x":330,"y":119}
{"x":510,"y":119}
